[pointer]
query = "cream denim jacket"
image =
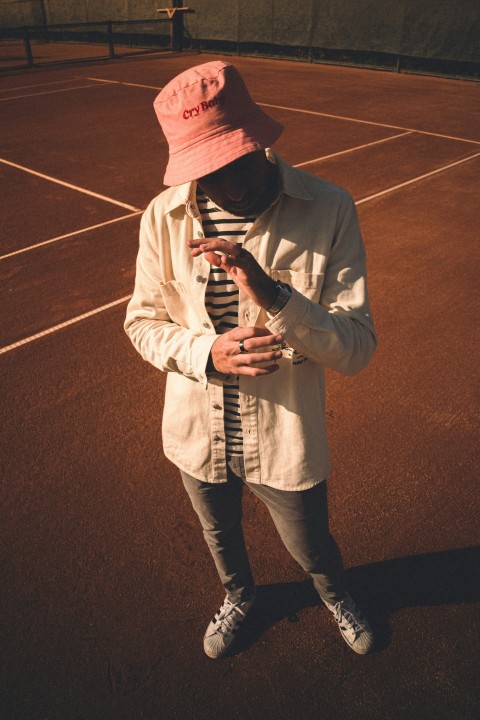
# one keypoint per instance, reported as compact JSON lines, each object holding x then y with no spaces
{"x":310,"y":239}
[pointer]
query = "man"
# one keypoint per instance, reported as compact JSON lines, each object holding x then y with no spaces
{"x":250,"y":281}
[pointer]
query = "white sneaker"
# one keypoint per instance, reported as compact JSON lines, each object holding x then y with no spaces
{"x":354,"y":627}
{"x":223,"y":627}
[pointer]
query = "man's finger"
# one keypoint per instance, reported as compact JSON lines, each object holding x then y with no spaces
{"x":255,"y":371}
{"x":254,"y":337}
{"x":251,"y":331}
{"x":262,"y":345}
{"x":260,"y":357}
{"x":227,"y":247}
{"x":213,"y":259}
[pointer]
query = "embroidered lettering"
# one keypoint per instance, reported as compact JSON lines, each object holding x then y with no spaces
{"x":205,"y":105}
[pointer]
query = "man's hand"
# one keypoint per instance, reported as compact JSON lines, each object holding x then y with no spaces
{"x":240,"y":265}
{"x":228,"y":357}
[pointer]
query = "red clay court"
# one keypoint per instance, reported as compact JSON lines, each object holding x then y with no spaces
{"x":107,"y":585}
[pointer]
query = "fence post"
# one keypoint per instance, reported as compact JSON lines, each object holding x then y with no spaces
{"x":177,"y":27}
{"x":28,"y":47}
{"x":111,"y":47}
{"x":44,"y":20}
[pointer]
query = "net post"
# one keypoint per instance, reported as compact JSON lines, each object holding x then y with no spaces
{"x":111,"y":46}
{"x":177,"y":27}
{"x":175,"y":16}
{"x":28,"y":47}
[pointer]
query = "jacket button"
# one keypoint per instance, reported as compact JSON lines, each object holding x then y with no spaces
{"x":216,"y":406}
{"x":206,"y":325}
{"x":201,"y":279}
{"x":217,"y":438}
{"x":200,"y":234}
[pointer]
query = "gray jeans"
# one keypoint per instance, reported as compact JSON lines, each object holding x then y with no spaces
{"x":301,"y":519}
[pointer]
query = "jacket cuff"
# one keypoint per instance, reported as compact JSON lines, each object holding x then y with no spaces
{"x":290,"y":315}
{"x":199,"y":358}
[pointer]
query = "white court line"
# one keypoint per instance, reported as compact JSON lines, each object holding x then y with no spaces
{"x":119,"y":82}
{"x":369,"y":122}
{"x":68,"y":185}
{"x":349,"y":150}
{"x":117,"y":302}
{"x":416,"y":179}
{"x":93,"y":227}
{"x":104,"y":80}
{"x":151,"y":87}
{"x":36,"y":85}
{"x":53,"y":329}
{"x":70,"y":234}
{"x":320,"y":114}
{"x":49,"y":92}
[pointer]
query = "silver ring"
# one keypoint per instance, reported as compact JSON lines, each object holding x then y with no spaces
{"x":243,"y":349}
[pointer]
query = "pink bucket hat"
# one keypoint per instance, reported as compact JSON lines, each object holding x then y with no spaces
{"x":210,"y":120}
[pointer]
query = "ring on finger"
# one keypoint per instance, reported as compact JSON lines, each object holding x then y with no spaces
{"x":241,"y":344}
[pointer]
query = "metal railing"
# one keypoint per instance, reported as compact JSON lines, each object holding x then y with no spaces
{"x":115,"y":35}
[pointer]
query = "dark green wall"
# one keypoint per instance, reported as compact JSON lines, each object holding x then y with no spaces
{"x":433,"y":29}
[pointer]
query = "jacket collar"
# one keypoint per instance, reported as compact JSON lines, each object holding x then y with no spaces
{"x":291,"y":184}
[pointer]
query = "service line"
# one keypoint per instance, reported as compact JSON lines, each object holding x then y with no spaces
{"x":315,"y":112}
{"x":49,"y":92}
{"x":53,"y":329}
{"x":120,"y":82}
{"x":69,"y":185}
{"x":124,"y":299}
{"x":349,"y":150}
{"x":124,"y":217}
{"x":368,"y":122}
{"x":37,"y":85}
{"x":416,"y":179}
{"x":70,"y":234}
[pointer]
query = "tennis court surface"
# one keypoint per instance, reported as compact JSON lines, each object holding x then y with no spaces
{"x":107,"y":586}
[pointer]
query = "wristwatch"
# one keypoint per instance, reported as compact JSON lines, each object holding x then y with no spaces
{"x":284,"y":293}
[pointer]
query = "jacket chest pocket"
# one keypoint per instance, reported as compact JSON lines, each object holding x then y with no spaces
{"x":308,"y":284}
{"x":180,"y":306}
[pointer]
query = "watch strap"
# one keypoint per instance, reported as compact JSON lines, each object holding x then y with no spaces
{"x":283,"y":296}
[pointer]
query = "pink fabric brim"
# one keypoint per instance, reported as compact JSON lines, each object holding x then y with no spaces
{"x":212,"y":153}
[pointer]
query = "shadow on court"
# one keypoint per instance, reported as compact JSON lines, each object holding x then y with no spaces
{"x":433,"y":579}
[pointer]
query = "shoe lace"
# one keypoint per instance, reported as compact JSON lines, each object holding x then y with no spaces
{"x":346,"y":614}
{"x":229,"y":615}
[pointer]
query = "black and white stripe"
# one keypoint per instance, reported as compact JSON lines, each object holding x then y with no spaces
{"x":221,"y":301}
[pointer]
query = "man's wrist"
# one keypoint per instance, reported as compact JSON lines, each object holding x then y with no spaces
{"x":210,"y":368}
{"x":282,"y":296}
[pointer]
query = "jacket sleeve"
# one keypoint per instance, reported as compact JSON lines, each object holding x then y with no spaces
{"x":338,"y":331}
{"x":165,"y":344}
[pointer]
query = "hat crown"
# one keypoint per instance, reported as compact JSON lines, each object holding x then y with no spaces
{"x":203,"y":100}
{"x":210,"y":120}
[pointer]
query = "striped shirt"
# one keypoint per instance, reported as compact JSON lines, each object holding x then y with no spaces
{"x":221,"y":302}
